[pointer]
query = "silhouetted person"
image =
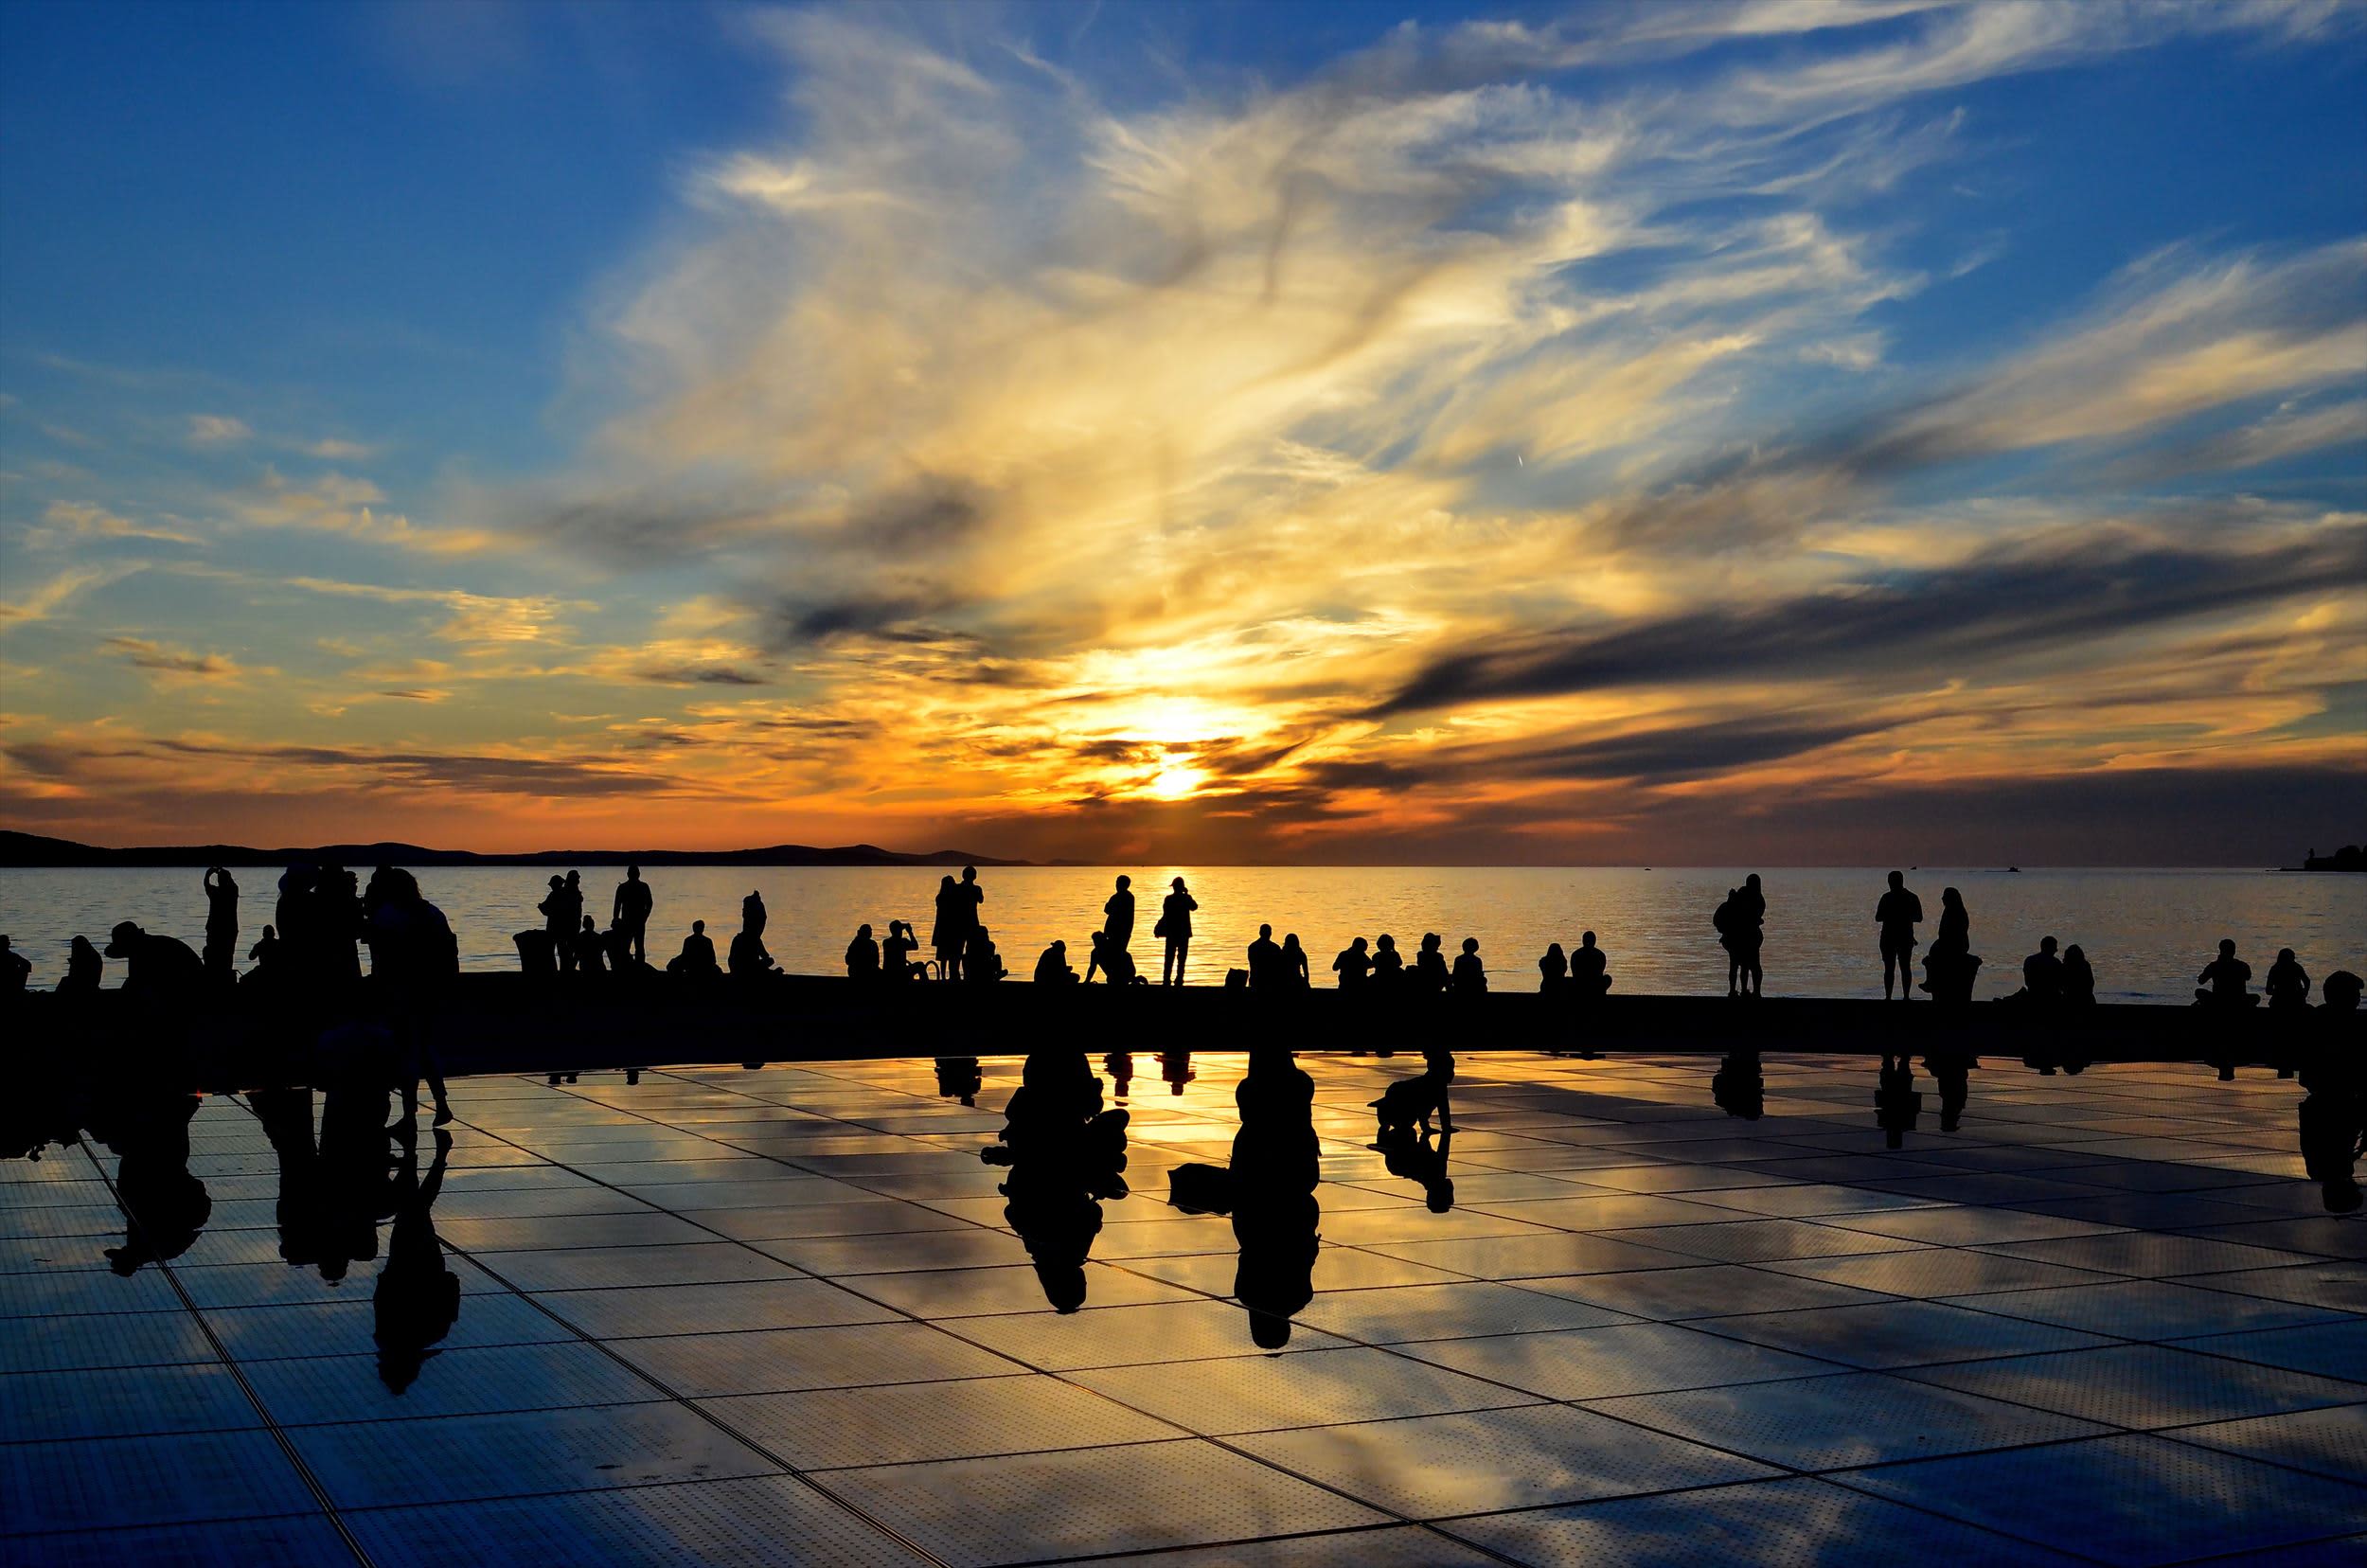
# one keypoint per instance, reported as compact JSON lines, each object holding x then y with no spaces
{"x":1897,"y":913}
{"x":2340,"y":994}
{"x":591,"y":948}
{"x":1590,"y":969}
{"x":629,"y":913}
{"x":697,"y":959}
{"x":221,"y":925}
{"x":2334,"y":1117}
{"x":1265,"y":962}
{"x":1052,"y":966}
{"x":748,"y":959}
{"x":1175,"y":925}
{"x":2288,"y":984}
{"x":15,"y":969}
{"x":1115,"y":962}
{"x":285,"y":1113}
{"x":896,"y":954}
{"x":1739,"y":1085}
{"x":1403,"y":1140}
{"x":356,"y":1166}
{"x":1117,"y":915}
{"x":1429,"y":966}
{"x":2079,"y":980}
{"x":1726,"y":920}
{"x":1388,"y":963}
{"x":1749,"y":934}
{"x":155,"y":968}
{"x":265,"y":952}
{"x":1295,"y":975}
{"x":958,"y":1077}
{"x":560,"y":916}
{"x":1948,"y":964}
{"x":981,"y":962}
{"x":1896,"y":1101}
{"x":949,"y":928}
{"x":969,"y":905}
{"x":1471,"y":975}
{"x":2042,"y":974}
{"x":862,"y":956}
{"x":2226,"y":980}
{"x":417,"y":1299}
{"x":415,"y":961}
{"x":1352,"y":965}
{"x":1066,"y":1154}
{"x":1553,"y":970}
{"x":85,"y":968}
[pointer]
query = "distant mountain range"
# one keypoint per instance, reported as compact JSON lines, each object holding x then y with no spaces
{"x":32,"y":850}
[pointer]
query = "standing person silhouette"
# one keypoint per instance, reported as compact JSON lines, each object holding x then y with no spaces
{"x":222,"y":924}
{"x":629,"y":913}
{"x":752,"y":918}
{"x":1896,"y":913}
{"x":415,"y":960}
{"x":969,"y":903}
{"x":1752,"y":905}
{"x":1117,"y":915}
{"x":1175,"y":924}
{"x":946,"y":931}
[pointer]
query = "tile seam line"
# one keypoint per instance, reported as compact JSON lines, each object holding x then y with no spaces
{"x":279,"y":1438}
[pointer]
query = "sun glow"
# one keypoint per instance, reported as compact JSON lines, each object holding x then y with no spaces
{"x":1176,"y":781}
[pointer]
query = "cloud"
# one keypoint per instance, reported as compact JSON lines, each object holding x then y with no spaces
{"x":80,"y":520}
{"x":175,"y":663}
{"x":213,"y":430}
{"x":339,"y":504}
{"x":50,"y":598}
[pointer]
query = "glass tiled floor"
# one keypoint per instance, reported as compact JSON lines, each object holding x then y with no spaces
{"x":778,"y":1315}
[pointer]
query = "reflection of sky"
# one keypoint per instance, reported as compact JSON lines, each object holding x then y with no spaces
{"x":1196,"y":433}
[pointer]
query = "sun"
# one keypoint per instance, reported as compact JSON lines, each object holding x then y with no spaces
{"x":1175,"y":781}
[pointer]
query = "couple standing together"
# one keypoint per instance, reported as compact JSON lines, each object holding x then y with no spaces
{"x":1175,"y":926}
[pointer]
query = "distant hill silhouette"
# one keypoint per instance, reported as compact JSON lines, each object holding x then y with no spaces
{"x":32,"y":850}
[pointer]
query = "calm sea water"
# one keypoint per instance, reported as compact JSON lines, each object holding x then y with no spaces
{"x":2145,"y":932}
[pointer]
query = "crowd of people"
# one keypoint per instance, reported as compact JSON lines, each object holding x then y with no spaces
{"x":323,"y":916}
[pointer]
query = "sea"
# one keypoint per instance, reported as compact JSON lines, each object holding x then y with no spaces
{"x":2146,"y":932}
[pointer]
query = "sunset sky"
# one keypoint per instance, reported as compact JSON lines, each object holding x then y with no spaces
{"x":1796,"y":431}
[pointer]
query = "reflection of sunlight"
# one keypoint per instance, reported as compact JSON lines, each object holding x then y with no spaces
{"x":1176,"y":781}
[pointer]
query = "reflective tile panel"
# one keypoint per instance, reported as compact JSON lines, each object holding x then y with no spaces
{"x":825,"y":1314}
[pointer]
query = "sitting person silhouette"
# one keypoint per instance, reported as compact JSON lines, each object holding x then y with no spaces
{"x":2080,"y":980}
{"x":2042,"y":975}
{"x":980,"y":961}
{"x":1429,"y":966}
{"x":2225,"y":980}
{"x":1471,"y":975}
{"x":748,"y":958}
{"x":1950,"y":965}
{"x":1590,"y":969}
{"x":896,"y":954}
{"x":1388,"y":963}
{"x":1553,"y":970}
{"x":697,"y":957}
{"x":1115,"y":962}
{"x":2288,"y":984}
{"x":1407,"y":1104}
{"x":157,"y":968}
{"x":1295,"y":975}
{"x":85,"y":968}
{"x":862,"y":956}
{"x":265,"y":952}
{"x":15,"y":969}
{"x":1265,"y":961}
{"x":1051,"y":968}
{"x":591,"y":948}
{"x":1352,"y":965}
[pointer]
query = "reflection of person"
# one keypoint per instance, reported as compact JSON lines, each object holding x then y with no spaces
{"x":1897,"y":913}
{"x":418,"y":1298}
